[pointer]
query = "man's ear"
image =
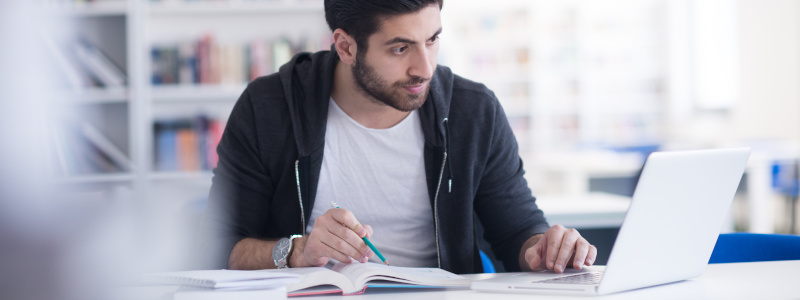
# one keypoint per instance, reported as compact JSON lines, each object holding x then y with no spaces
{"x":345,"y":46}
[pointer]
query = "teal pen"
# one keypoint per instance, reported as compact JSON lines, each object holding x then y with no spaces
{"x":371,"y":246}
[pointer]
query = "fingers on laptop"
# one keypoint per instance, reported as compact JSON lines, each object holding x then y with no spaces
{"x":565,"y":244}
{"x":554,"y":236}
{"x":583,"y":251}
{"x":569,"y":243}
{"x":535,"y":256}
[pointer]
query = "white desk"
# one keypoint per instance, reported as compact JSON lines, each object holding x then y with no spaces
{"x":759,"y":280}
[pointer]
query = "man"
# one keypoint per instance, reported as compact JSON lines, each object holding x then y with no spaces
{"x":400,"y":143}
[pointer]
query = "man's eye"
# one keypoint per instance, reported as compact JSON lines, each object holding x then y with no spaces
{"x":433,"y":40}
{"x":400,"y":50}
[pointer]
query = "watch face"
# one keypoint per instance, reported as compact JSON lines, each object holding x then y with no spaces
{"x":281,"y":249}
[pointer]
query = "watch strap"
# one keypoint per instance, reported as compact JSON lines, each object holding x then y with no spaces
{"x":282,"y":262}
{"x":291,"y":248}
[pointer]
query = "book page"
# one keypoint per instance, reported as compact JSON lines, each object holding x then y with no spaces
{"x":361,"y":273}
{"x":317,"y":276}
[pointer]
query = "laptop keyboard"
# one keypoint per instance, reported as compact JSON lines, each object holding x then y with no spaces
{"x":583,"y":278}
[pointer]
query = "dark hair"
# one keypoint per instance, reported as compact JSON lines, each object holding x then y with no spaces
{"x":361,"y":18}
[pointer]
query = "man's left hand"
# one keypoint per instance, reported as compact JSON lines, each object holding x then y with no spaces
{"x":559,"y":248}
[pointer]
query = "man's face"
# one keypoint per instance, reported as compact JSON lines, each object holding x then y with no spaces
{"x":399,"y":64}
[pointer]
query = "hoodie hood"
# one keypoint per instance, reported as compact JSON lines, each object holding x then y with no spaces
{"x":307,"y":81}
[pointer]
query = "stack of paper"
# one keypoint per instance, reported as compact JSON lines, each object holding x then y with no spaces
{"x":225,"y":284}
{"x":190,"y":293}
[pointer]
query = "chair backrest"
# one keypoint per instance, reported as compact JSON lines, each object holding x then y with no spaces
{"x":748,"y":247}
{"x":488,"y":266}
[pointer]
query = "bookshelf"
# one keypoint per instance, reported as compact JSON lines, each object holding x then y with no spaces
{"x":572,"y":73}
{"x":92,"y":113}
{"x":128,"y":33}
{"x":562,"y":80}
{"x":180,"y":91}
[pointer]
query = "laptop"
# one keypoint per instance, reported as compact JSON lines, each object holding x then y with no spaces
{"x":678,"y":209}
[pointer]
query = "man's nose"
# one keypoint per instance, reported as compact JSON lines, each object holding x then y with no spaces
{"x":422,"y":64}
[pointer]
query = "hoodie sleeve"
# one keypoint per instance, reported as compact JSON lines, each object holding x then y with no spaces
{"x":239,"y":187}
{"x":504,"y":202}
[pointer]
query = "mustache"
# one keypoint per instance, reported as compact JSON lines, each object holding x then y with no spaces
{"x":413,"y":81}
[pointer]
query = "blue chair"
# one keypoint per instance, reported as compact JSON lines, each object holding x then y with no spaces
{"x":488,"y":266}
{"x":749,"y":247}
{"x":785,"y":181}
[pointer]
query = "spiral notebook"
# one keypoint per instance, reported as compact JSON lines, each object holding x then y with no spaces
{"x":223,"y":279}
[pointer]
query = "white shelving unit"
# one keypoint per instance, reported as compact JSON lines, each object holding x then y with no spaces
{"x":88,"y":9}
{"x":230,"y":23}
{"x":96,"y":96}
{"x":108,"y":26}
{"x":568,"y":73}
{"x":127,"y":30}
{"x":576,"y":78}
{"x":209,"y":93}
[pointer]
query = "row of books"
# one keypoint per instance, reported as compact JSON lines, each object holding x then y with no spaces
{"x":79,"y":148}
{"x":81,"y":64}
{"x":188,"y":144}
{"x":205,"y":61}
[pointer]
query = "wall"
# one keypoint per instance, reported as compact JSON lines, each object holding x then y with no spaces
{"x":770,"y":70}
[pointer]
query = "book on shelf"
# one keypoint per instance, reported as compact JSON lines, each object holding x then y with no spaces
{"x":166,"y":154}
{"x":81,"y":64}
{"x":355,"y":278}
{"x":81,"y":149}
{"x":188,"y":149}
{"x":105,"y":146}
{"x":205,"y":61}
{"x":187,"y":144}
{"x":187,"y":68}
{"x":98,"y":65}
{"x":281,"y":52}
{"x":68,"y":71}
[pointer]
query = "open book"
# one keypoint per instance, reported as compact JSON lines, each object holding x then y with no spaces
{"x":354,"y":278}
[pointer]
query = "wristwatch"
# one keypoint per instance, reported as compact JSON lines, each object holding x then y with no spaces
{"x":282,"y":250}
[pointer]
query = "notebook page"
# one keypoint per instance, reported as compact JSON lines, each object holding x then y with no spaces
{"x":360,"y":273}
{"x":317,"y":276}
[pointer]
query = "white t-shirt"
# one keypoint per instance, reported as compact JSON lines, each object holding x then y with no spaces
{"x":379,"y":175}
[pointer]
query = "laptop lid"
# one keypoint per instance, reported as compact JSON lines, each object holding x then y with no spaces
{"x":678,"y":209}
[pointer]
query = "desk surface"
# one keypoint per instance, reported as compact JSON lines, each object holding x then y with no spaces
{"x":759,"y":280}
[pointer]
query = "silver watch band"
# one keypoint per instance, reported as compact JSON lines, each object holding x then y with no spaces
{"x":283,"y":250}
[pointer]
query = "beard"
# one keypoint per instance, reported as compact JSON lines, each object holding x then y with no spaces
{"x":394,"y":95}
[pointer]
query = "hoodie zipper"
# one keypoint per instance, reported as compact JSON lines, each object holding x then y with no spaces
{"x":300,"y":196}
{"x":436,"y":200}
{"x":436,"y":210}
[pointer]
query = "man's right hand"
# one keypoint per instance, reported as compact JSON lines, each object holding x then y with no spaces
{"x":336,"y":234}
